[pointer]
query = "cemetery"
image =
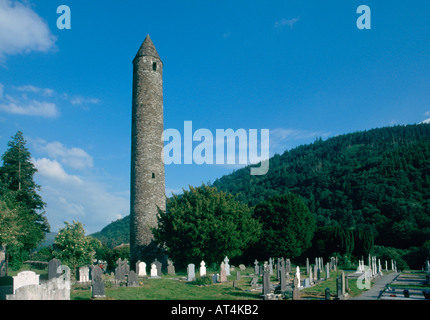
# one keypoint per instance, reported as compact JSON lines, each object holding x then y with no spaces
{"x":275,"y":279}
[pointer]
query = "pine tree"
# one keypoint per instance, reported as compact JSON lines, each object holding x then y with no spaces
{"x":18,"y":192}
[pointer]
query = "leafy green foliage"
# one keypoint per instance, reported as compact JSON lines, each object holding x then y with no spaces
{"x":205,"y":224}
{"x":378,"y":180}
{"x":288,"y":227}
{"x":73,"y":248}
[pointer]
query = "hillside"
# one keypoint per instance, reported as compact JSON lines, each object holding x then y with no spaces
{"x":377,"y":179}
{"x":115,"y":233}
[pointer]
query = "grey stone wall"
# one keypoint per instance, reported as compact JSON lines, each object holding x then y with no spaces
{"x":147,"y":165}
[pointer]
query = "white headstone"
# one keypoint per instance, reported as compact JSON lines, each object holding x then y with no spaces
{"x":191,"y":274}
{"x":227,"y":266}
{"x":25,"y":278}
{"x":202,"y":269}
{"x":298,"y":275}
{"x":154,"y":273}
{"x":84,"y":274}
{"x":141,"y":269}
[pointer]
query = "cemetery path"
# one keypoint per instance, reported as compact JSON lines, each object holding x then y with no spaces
{"x":379,"y":285}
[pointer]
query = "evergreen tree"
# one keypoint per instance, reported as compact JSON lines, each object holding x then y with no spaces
{"x":288,"y":226}
{"x":205,"y":224}
{"x":20,"y":201}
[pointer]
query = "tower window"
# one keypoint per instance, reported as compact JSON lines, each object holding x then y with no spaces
{"x":154,"y":66}
{"x":153,"y":175}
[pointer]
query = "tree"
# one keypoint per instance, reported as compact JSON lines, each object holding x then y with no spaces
{"x":73,"y":248}
{"x":205,"y":224}
{"x":23,"y":224}
{"x":17,"y":173}
{"x":288,"y":226}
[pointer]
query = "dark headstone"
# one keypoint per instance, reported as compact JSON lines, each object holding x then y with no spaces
{"x":53,"y":265}
{"x":158,"y":265}
{"x":327,"y":294}
{"x":266,"y":281}
{"x":98,"y":288}
{"x":132,"y":279}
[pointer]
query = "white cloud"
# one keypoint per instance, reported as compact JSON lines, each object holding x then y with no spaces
{"x":75,"y":158}
{"x":72,"y":197}
{"x":286,"y":22}
{"x":78,"y":100}
{"x":425,"y":121}
{"x":22,"y":30}
{"x":53,"y":170}
{"x":30,"y":88}
{"x":31,"y":108}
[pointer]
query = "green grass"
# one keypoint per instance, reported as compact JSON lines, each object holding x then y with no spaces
{"x":169,"y":288}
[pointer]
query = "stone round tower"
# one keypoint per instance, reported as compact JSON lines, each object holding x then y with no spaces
{"x":147,"y":190}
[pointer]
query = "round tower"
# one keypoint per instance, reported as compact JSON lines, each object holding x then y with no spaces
{"x":147,"y":191}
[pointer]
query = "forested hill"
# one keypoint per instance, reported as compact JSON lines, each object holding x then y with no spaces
{"x":378,"y":179}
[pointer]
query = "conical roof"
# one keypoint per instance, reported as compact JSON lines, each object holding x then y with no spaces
{"x":147,"y":49}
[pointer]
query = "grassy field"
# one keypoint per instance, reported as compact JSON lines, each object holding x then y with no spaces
{"x":175,"y":288}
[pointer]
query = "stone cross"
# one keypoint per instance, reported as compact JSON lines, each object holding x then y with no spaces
{"x":170,"y":267}
{"x":256,"y":267}
{"x":202,"y":268}
{"x":227,"y":266}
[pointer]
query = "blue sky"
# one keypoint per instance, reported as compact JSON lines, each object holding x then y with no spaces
{"x":301,"y":69}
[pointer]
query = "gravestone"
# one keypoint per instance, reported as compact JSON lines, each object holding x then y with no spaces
{"x":339,"y":294}
{"x":215,"y":278}
{"x":327,"y":294}
{"x":266,"y":281}
{"x":158,"y":266}
{"x":223,"y":275}
{"x":98,"y":288}
{"x":25,"y":278}
{"x":227,"y":266}
{"x":254,"y":282}
{"x":191,"y":274}
{"x":202,"y":269}
{"x":283,"y":281}
{"x":298,"y":276}
{"x":242,"y":267}
{"x":84,"y":274}
{"x":315,"y":273}
{"x":307,"y":266}
{"x":170,"y":268}
{"x":154,"y":271}
{"x":288,"y":265}
{"x":237,"y":275}
{"x":296,"y":289}
{"x":256,"y":267}
{"x":96,"y":271}
{"x":122,"y":269}
{"x":327,"y":271}
{"x":2,"y":261}
{"x":306,"y":283}
{"x":271,"y":266}
{"x":132,"y":279}
{"x":141,"y":269}
{"x":53,"y":265}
